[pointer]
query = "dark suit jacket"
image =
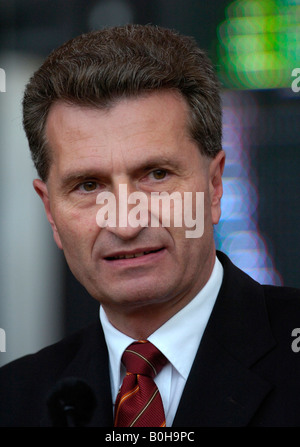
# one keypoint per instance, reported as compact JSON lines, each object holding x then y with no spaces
{"x":245,"y":371}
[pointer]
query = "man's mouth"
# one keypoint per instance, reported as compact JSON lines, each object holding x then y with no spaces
{"x":132,"y":255}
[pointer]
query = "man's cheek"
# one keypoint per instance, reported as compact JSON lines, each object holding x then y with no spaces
{"x":75,"y":233}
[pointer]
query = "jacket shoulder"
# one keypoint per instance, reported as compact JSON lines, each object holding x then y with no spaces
{"x":58,"y":355}
{"x":283,"y":307}
{"x":282,"y":300}
{"x":25,"y":382}
{"x":282,"y":293}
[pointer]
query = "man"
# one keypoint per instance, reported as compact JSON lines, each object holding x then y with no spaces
{"x":137,"y":109}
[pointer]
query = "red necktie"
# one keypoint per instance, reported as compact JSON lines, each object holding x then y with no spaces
{"x":138,"y":402}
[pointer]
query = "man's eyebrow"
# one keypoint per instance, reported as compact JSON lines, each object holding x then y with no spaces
{"x":72,"y":177}
{"x":77,"y":176}
{"x":156,"y":162}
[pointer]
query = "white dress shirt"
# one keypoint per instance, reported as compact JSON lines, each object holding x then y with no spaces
{"x":178,"y":339}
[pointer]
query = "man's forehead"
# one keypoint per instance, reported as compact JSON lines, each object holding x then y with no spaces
{"x":160,"y":97}
{"x":159,"y":117}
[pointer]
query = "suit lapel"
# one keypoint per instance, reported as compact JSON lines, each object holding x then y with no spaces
{"x":221,"y":389}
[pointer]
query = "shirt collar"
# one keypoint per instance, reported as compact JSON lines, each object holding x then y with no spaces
{"x":116,"y":343}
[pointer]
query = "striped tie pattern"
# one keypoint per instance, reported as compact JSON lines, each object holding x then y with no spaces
{"x":139,"y":403}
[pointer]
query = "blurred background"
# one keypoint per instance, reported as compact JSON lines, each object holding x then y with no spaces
{"x":255,"y":47}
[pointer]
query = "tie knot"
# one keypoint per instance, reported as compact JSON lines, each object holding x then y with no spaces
{"x":142,"y":357}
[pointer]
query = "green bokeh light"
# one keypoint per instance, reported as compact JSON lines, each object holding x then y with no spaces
{"x":259,"y":43}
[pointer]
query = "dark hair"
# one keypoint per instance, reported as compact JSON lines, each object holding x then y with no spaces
{"x":99,"y":67}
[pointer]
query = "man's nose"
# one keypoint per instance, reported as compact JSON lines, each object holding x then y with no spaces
{"x":126,"y":226}
{"x":125,"y":233}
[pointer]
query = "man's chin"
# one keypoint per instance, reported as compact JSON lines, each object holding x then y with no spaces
{"x":129,"y":300}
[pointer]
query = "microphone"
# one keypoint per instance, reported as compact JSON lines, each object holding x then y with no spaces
{"x":71,"y":403}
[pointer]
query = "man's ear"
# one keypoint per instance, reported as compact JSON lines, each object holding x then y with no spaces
{"x":42,"y":190}
{"x":216,"y":185}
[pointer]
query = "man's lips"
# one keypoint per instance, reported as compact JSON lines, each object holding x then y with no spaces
{"x":132,"y":254}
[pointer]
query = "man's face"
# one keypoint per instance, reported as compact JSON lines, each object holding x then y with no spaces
{"x":144,"y":144}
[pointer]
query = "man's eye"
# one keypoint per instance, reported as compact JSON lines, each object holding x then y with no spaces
{"x":88,"y":186}
{"x":159,"y":174}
